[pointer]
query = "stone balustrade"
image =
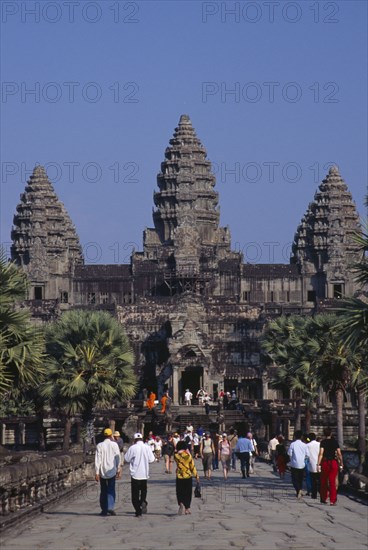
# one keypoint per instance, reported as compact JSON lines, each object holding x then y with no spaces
{"x":34,"y":483}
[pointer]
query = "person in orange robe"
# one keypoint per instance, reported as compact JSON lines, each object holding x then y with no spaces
{"x":163,"y":403}
{"x":151,"y":400}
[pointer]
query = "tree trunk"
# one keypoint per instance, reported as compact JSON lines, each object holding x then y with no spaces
{"x":339,"y":417}
{"x":308,"y":419}
{"x":298,"y":414}
{"x":78,"y":432}
{"x":361,"y":418}
{"x":67,"y":430}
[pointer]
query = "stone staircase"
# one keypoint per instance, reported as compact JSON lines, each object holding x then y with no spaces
{"x":183,"y":416}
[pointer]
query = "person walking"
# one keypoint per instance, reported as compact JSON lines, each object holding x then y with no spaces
{"x":185,"y":471}
{"x":207,"y":452}
{"x":107,"y":469}
{"x":233,"y":440}
{"x":282,"y":458}
{"x":199,"y":395}
{"x":216,"y":438}
{"x":151,"y":400}
{"x":157,"y":448}
{"x":163,"y":402}
{"x":206,"y":402}
{"x":224,"y":455}
{"x":272,"y":451}
{"x":312,"y":454}
{"x":188,"y":396}
{"x":244,"y":448}
{"x":297,"y":453}
{"x":168,"y":451}
{"x":329,"y":463}
{"x":308,"y":478}
{"x":196,"y":445}
{"x":119,"y":441}
{"x":253,"y":455}
{"x":139,"y":456}
{"x":117,"y":437}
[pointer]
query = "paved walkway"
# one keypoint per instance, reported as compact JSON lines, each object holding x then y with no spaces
{"x":260,"y":512}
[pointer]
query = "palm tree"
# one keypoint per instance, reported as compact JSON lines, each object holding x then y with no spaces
{"x":352,"y":328}
{"x":21,"y":343}
{"x":284,"y":342}
{"x":90,"y":365}
{"x":333,"y":363}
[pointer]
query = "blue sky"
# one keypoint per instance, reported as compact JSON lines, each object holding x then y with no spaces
{"x":276,"y":92}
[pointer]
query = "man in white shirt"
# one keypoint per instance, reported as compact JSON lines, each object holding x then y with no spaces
{"x":139,"y":456}
{"x":107,"y":468}
{"x":188,"y":396}
{"x":272,"y":444}
{"x":297,"y":452}
{"x":312,"y":454}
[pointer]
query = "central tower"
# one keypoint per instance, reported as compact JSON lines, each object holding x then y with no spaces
{"x":186,"y":241}
{"x":186,"y":187}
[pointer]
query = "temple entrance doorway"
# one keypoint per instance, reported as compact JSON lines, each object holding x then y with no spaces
{"x":192,"y":379}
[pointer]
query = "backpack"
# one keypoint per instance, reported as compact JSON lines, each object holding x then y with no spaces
{"x":188,"y":440}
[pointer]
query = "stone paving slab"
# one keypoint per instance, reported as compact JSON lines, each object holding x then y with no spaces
{"x":260,"y":512}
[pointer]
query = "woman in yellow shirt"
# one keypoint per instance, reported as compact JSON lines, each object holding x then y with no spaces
{"x":185,"y":471}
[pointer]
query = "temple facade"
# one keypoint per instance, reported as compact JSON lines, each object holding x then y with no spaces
{"x":192,"y":307}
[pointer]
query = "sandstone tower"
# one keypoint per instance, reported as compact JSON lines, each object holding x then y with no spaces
{"x":324,"y":246}
{"x":45,"y":242}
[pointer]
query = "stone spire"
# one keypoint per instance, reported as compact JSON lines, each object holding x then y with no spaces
{"x":45,"y":241}
{"x":187,"y":239}
{"x":186,"y":194}
{"x":324,"y":239}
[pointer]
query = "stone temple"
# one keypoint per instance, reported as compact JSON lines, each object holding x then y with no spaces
{"x":193,"y":309}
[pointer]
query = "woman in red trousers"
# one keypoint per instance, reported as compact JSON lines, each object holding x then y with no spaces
{"x":329,"y":463}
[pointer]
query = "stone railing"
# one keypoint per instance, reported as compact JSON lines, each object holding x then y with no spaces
{"x":30,"y":485}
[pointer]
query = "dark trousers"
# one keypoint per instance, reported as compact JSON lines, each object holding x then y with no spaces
{"x":139,"y":494}
{"x":244,"y":463}
{"x":184,"y":492}
{"x":233,"y":459}
{"x":107,"y":494}
{"x":297,"y":475}
{"x":315,"y":483}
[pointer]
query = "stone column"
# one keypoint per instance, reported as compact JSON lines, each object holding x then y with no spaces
{"x":175,"y":382}
{"x":264,"y":387}
{"x":287,"y":429}
{"x":206,"y":381}
{"x":3,"y":434}
{"x":22,"y":433}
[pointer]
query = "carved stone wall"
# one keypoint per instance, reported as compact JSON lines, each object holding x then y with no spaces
{"x":34,"y":483}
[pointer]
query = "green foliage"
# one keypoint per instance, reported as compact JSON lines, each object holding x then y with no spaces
{"x":352,"y":326}
{"x":90,"y":363}
{"x":333,"y":362}
{"x":21,"y":343}
{"x":16,"y":405}
{"x":285,"y":344}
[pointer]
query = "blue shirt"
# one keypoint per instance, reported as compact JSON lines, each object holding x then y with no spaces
{"x":244,"y":445}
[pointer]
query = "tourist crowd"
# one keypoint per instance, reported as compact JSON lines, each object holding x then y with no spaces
{"x":316,"y":462}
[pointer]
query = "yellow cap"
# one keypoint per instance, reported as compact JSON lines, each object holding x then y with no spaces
{"x":108,"y":432}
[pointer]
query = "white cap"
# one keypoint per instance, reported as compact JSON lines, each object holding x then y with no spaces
{"x":138,"y":435}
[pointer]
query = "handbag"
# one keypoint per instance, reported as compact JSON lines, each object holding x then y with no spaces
{"x":197,"y":491}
